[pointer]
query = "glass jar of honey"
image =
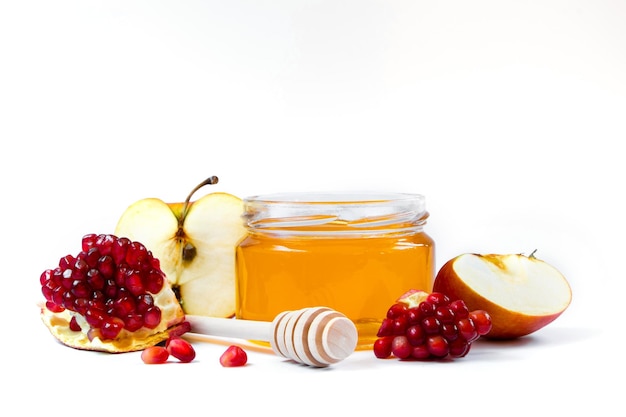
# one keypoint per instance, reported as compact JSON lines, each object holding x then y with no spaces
{"x":355,"y":253}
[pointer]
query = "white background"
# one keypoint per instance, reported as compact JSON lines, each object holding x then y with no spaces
{"x":507,"y":115}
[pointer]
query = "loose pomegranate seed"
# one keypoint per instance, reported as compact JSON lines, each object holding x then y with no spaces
{"x":180,"y":349}
{"x":233,"y":356}
{"x":436,"y":328}
{"x":154,"y":355}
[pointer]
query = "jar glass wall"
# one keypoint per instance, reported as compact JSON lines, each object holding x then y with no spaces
{"x":355,"y":253}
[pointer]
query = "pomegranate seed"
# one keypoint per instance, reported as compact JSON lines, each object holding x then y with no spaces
{"x":180,"y":349}
{"x":449,"y":331}
{"x":133,"y":282}
{"x":437,"y":299}
{"x":89,"y":241}
{"x":415,"y":334}
{"x":54,"y":307}
{"x":95,"y":279}
{"x":414,"y":315}
{"x":444,"y":314}
{"x":435,"y":329}
{"x":459,"y":308}
{"x":399,"y":325}
{"x":437,"y":346}
{"x":152,"y":317}
{"x":91,"y":257}
{"x":111,"y":327}
{"x":154,"y":281}
{"x":233,"y":356}
{"x":74,"y":325}
{"x":430,"y":325}
{"x":400,"y":347}
{"x":133,"y":322}
{"x":154,"y":355}
{"x":386,"y":328}
{"x":396,"y":310}
{"x":459,"y":348}
{"x":420,"y":352}
{"x":382,"y":347}
{"x":481,"y":320}
{"x":467,"y":329}
{"x":106,"y":266}
{"x":119,"y":249}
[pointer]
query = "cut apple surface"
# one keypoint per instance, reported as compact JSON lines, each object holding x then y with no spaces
{"x":521,"y":293}
{"x":195,"y":244}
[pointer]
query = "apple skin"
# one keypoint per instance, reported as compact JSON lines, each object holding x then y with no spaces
{"x":506,"y":324}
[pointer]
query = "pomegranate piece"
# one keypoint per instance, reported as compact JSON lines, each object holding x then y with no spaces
{"x":423,"y":325}
{"x":180,"y":349}
{"x":233,"y":356}
{"x":154,"y":355}
{"x":112,"y":296}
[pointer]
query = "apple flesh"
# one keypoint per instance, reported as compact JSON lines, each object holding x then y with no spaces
{"x":195,"y":243}
{"x":522,"y":294}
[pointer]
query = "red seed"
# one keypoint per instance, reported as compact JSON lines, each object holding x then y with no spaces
{"x":180,"y":349}
{"x":154,"y":355}
{"x":482,"y":321}
{"x":233,"y":356}
{"x":400,"y":347}
{"x":74,"y":325}
{"x":382,"y":347}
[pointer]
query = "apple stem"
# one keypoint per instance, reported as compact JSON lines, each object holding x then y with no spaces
{"x":209,"y":181}
{"x":532,"y":254}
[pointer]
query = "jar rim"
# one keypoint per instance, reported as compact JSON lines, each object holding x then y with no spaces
{"x":333,"y":197}
{"x":356,"y":211}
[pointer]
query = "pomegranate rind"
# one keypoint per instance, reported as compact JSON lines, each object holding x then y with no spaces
{"x":413,"y":297}
{"x":172,"y":323}
{"x":58,"y":325}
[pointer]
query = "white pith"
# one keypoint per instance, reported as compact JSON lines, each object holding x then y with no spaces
{"x":517,"y":283}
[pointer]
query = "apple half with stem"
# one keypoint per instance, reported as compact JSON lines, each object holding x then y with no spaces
{"x":195,"y":243}
{"x":521,"y":293}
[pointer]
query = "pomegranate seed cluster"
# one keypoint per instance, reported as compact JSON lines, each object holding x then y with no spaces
{"x":111,"y":282}
{"x":435,"y":328}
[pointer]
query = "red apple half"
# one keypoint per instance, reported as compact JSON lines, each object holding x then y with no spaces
{"x":521,"y":293}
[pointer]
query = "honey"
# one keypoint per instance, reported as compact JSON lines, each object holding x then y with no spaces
{"x":353,"y":253}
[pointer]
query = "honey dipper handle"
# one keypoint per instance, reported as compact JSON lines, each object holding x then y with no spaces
{"x":223,"y":327}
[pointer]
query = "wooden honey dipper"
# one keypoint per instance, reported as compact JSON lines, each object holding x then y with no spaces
{"x":315,"y":336}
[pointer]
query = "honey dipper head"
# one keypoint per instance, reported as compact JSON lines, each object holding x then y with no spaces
{"x":315,"y":336}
